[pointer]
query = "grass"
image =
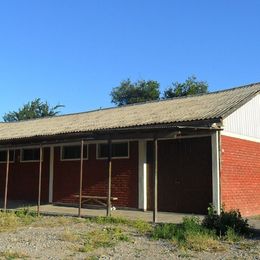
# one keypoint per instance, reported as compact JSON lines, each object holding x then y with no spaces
{"x":13,"y":220}
{"x":141,"y":226}
{"x":107,"y":237}
{"x":69,"y":236}
{"x":257,"y":217}
{"x":8,"y":255}
{"x":188,"y":235}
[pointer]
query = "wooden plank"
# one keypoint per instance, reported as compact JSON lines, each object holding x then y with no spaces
{"x":109,"y":177}
{"x":95,"y":197}
{"x":155,"y":208}
{"x":6,"y":178}
{"x":40,"y":183}
{"x":81,"y":176}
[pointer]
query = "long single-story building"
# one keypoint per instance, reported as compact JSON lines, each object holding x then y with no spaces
{"x":176,"y":155}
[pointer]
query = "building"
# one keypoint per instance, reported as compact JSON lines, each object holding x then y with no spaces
{"x":174,"y":155}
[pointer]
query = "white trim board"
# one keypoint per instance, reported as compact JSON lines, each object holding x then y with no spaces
{"x":243,"y":137}
{"x":215,"y":171}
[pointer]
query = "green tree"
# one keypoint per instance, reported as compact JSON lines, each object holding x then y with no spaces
{"x":191,"y":86}
{"x":134,"y":92}
{"x":33,"y":109}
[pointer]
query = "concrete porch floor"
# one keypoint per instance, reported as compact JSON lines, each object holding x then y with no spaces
{"x":63,"y":210}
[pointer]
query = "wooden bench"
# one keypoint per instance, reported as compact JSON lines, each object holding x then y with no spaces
{"x":101,"y":200}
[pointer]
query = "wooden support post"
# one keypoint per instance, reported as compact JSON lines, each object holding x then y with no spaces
{"x":40,"y":182}
{"x":155,"y":208}
{"x":81,"y":177}
{"x":6,"y":178}
{"x":109,"y":178}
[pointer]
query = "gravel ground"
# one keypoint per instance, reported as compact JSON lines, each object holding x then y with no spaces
{"x":46,"y":239}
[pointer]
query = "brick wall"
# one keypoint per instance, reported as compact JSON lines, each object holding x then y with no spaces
{"x":95,"y":177}
{"x":240,"y":175}
{"x":23,"y":178}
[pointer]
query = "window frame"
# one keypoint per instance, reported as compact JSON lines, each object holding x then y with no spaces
{"x":113,"y":157}
{"x":30,"y":148}
{"x":73,"y":159}
{"x":5,"y":150}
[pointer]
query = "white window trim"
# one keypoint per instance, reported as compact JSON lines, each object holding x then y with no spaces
{"x":113,"y":157}
{"x":28,"y":148}
{"x":73,"y":144}
{"x":6,"y":154}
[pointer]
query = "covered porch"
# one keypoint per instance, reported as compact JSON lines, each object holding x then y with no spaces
{"x":150,"y":178}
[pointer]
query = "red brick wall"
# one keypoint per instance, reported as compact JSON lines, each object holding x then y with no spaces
{"x":240,"y":175}
{"x":23,"y":178}
{"x":95,"y":177}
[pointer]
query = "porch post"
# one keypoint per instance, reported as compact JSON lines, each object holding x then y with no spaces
{"x":155,"y":208}
{"x":6,"y":178}
{"x":215,"y":171}
{"x":81,"y":177}
{"x":109,"y":178}
{"x":40,"y":182}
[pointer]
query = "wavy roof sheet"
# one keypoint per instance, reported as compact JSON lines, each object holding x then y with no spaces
{"x":215,"y":105}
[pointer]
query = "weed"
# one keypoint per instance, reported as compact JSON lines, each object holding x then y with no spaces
{"x":190,"y":234}
{"x":8,"y":221}
{"x":141,"y":226}
{"x":13,"y":255}
{"x":107,"y":237}
{"x":232,"y":236}
{"x":69,"y":236}
{"x":108,"y":220}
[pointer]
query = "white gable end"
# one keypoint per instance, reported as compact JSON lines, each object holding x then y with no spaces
{"x":245,"y":121}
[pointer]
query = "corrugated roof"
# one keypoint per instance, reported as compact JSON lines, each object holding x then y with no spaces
{"x":215,"y":105}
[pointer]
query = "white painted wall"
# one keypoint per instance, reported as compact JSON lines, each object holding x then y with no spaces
{"x":142,"y":175}
{"x":51,"y":174}
{"x":245,"y":121}
{"x":215,"y":171}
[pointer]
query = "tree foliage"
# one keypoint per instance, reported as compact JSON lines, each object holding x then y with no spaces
{"x":191,"y":86}
{"x":33,"y":109}
{"x":134,"y":92}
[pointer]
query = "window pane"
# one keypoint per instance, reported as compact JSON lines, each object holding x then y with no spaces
{"x":73,"y":152}
{"x":31,"y":154}
{"x":3,"y":156}
{"x":120,"y":150}
{"x":102,"y":150}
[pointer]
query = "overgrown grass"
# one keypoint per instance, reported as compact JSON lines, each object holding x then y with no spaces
{"x":69,"y":236}
{"x":189,"y":235}
{"x":15,"y":219}
{"x":141,"y":226}
{"x":12,"y":255}
{"x":107,"y":237}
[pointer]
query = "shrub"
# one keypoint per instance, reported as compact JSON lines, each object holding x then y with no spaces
{"x":226,"y":220}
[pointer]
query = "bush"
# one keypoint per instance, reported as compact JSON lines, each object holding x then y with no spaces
{"x":225,"y":221}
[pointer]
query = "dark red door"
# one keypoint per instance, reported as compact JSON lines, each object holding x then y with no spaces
{"x":184,"y":175}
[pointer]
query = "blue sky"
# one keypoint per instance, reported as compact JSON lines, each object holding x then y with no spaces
{"x":74,"y":52}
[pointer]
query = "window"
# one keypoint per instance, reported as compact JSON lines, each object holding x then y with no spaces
{"x":30,"y":154}
{"x":73,"y":152}
{"x":3,"y":156}
{"x":119,"y":150}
